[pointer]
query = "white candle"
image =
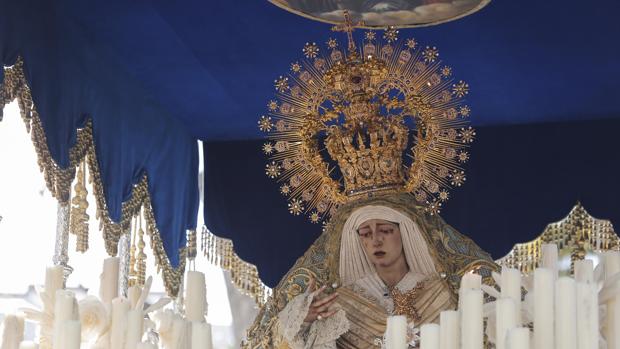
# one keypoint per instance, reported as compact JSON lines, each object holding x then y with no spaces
{"x":506,"y":319}
{"x":201,"y":336}
{"x":471,"y":322}
{"x":587,"y":316}
{"x":71,"y":334}
{"x":28,"y":345}
{"x":584,"y":271}
{"x":118,"y":328}
{"x":429,"y":336}
{"x":396,"y":333}
{"x":544,"y":308}
{"x":133,"y":294}
{"x":518,"y":338}
{"x":612,"y":320}
{"x":63,"y":311}
{"x":511,"y":288}
{"x":54,"y":279}
{"x":12,"y":331}
{"x":108,"y":285}
{"x":195,"y":297}
{"x":449,"y":329}
{"x":550,"y":258}
{"x":135,"y":328}
{"x":565,"y":314}
{"x":471,"y":281}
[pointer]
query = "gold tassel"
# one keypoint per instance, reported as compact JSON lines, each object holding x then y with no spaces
{"x":79,"y":205}
{"x":132,"y":254}
{"x":141,"y":258}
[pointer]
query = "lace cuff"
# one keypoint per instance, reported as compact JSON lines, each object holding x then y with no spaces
{"x":325,"y":332}
{"x":291,"y":321}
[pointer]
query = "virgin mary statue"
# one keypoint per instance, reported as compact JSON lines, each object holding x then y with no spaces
{"x":342,"y":145}
{"x":353,"y":269}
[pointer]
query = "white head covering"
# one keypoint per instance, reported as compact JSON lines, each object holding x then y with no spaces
{"x":355,"y":264}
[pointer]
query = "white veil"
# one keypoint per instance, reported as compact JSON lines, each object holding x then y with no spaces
{"x":355,"y":265}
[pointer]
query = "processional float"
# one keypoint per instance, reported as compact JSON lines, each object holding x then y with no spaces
{"x":550,"y":291}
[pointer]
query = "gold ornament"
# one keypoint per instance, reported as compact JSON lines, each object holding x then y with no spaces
{"x":404,"y":303}
{"x":576,"y":235}
{"x":141,"y":256}
{"x":79,"y":204}
{"x":341,"y":127}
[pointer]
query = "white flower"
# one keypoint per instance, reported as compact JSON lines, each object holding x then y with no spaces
{"x":94,"y":318}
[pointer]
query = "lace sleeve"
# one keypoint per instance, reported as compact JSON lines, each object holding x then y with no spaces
{"x":321,"y":334}
{"x":324,"y":333}
{"x":291,"y":321}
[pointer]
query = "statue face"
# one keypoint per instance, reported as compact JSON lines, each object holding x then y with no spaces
{"x":382,"y":242}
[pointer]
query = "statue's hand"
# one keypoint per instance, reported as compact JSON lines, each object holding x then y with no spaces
{"x":321,"y":306}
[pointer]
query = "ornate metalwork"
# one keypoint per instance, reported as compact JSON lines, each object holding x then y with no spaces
{"x":341,"y":127}
{"x":576,"y":236}
{"x":61,"y":247}
{"x":124,"y":254}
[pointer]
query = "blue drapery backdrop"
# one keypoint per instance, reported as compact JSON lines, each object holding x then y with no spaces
{"x":72,"y":79}
{"x":519,"y":179}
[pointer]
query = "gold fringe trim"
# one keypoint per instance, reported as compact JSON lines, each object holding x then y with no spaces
{"x":58,"y":180}
{"x":244,"y":275}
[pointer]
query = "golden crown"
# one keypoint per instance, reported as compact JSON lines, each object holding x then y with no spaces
{"x":340,"y":126}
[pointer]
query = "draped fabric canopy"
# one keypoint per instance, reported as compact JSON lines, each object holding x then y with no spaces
{"x":154,"y":76}
{"x":73,"y":80}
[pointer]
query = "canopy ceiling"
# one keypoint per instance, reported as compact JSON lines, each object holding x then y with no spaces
{"x":212,"y":63}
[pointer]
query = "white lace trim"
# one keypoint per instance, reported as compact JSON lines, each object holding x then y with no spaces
{"x":326,"y":332}
{"x":291,"y":320}
{"x":321,"y":334}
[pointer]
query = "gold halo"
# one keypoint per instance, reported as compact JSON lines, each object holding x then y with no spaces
{"x":296,"y":122}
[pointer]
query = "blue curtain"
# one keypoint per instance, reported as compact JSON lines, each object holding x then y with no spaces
{"x":519,"y":179}
{"x":73,"y":78}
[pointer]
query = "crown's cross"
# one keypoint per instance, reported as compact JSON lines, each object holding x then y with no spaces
{"x":348,"y":27}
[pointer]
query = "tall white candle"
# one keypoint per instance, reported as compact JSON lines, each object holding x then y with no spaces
{"x":506,"y":319}
{"x":550,"y":258}
{"x":511,"y":288}
{"x":396,"y":333}
{"x":449,"y":329}
{"x":565,"y":314}
{"x":518,"y":338}
{"x":429,"y":336}
{"x":133,"y":295}
{"x":471,"y":281}
{"x":118,"y":328}
{"x":63,"y":311}
{"x":12,"y":332}
{"x":587,"y":316}
{"x":544,"y":286}
{"x":28,"y":345}
{"x":195,"y":297}
{"x":135,"y":328}
{"x":612,"y":320}
{"x":201,"y":336}
{"x":108,"y":285}
{"x":471,"y":320}
{"x":54,"y":279}
{"x":71,"y":334}
{"x":584,"y":271}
